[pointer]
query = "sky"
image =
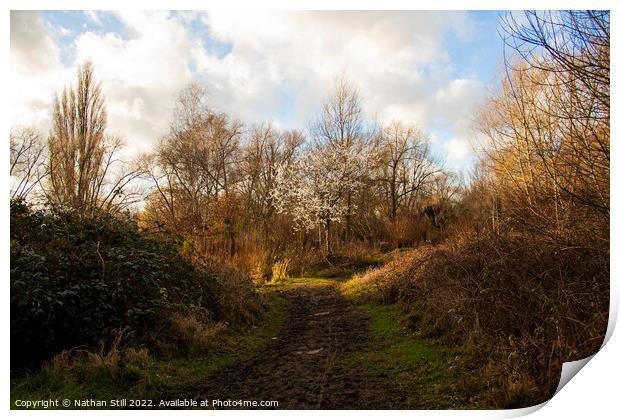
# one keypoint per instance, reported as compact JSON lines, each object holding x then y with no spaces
{"x":432,"y":69}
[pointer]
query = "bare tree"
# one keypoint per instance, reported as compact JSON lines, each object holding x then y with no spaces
{"x":548,"y":126}
{"x":27,"y":165}
{"x":266,"y":151}
{"x":406,"y":165}
{"x":81,"y":157}
{"x":194,"y":166}
{"x":341,"y":120}
{"x":572,"y":45}
{"x":562,"y":78}
{"x":341,"y":125}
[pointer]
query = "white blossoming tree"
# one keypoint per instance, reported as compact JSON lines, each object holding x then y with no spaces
{"x":313,"y":189}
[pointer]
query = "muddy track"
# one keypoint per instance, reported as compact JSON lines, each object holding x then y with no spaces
{"x":299,"y":369}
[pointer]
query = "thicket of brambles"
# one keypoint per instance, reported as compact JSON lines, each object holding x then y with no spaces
{"x":519,"y":262}
{"x":526,"y":278}
{"x":76,"y":281}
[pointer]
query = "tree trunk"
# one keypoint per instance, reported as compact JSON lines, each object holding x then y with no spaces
{"x":347,"y":231}
{"x":328,"y":244}
{"x":231,"y":238}
{"x":393,"y":198}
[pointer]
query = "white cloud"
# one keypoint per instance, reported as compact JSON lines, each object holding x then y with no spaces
{"x":140,"y":76}
{"x":457,"y":149}
{"x":384,"y":53}
{"x":61,"y":31}
{"x":456,"y":100}
{"x":278,"y":60}
{"x":36,"y":70}
{"x":31,"y":45}
{"x":93,"y":16}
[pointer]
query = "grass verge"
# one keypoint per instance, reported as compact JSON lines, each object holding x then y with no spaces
{"x":424,"y":373}
{"x":150,"y":377}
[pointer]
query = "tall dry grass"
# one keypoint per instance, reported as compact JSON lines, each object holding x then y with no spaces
{"x":238,"y":301}
{"x":279,"y":271}
{"x":108,"y":360}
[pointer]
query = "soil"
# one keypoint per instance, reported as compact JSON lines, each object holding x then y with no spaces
{"x":299,"y":368}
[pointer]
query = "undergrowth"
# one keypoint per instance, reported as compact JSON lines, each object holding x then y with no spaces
{"x":116,"y":373}
{"x":524,"y":307}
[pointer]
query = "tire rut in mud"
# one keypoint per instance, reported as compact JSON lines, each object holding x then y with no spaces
{"x":299,"y":369}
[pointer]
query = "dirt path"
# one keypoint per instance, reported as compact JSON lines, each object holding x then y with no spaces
{"x":299,"y":369}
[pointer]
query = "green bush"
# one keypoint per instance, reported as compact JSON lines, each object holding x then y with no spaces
{"x":74,"y":281}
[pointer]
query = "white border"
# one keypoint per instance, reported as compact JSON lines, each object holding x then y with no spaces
{"x":593,"y":394}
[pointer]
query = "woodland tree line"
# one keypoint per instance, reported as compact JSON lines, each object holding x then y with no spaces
{"x":249,"y":195}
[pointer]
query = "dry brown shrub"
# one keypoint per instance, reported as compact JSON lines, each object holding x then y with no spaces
{"x":237,"y":299}
{"x":252,"y":256}
{"x":136,"y":357}
{"x":384,"y":284}
{"x":192,"y":332}
{"x":66,"y":361}
{"x":525,"y":305}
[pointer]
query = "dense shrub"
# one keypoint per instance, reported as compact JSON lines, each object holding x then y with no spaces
{"x":75,"y":280}
{"x":523,"y":304}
